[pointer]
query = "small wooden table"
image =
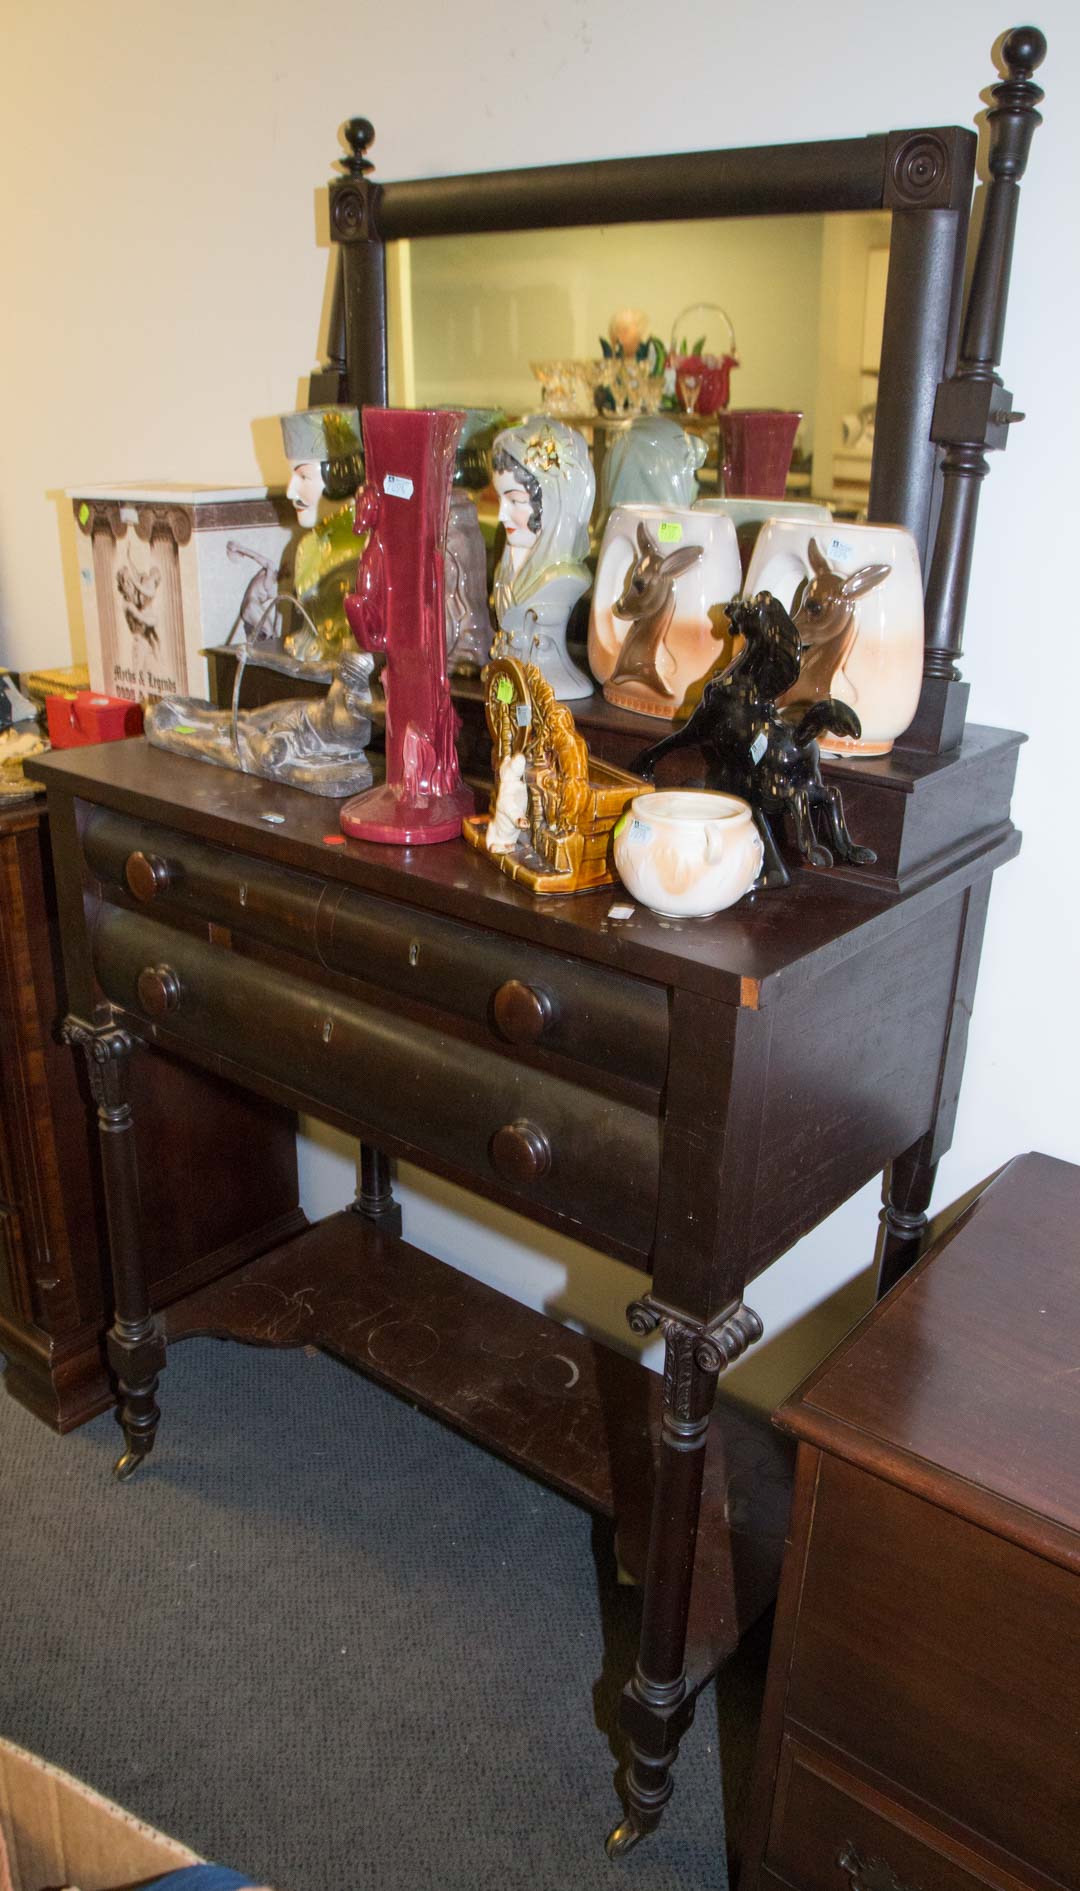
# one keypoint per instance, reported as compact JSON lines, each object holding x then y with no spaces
{"x":690,"y":1098}
{"x":923,"y":1704}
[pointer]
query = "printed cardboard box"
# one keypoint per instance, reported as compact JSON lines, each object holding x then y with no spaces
{"x":54,"y":1830}
{"x":165,"y":571}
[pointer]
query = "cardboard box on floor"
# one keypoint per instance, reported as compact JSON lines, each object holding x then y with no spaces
{"x":57,"y":1831}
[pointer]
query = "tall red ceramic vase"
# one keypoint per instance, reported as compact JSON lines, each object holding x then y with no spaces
{"x":398,"y":608}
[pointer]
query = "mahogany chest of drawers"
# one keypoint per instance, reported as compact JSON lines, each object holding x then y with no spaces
{"x":922,"y":1718}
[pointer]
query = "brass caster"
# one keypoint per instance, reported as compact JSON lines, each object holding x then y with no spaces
{"x":127,"y":1465}
{"x":624,"y":1838}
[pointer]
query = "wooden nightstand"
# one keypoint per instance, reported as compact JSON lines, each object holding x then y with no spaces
{"x":922,"y":1713}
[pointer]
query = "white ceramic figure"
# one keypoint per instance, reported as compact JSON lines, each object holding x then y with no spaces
{"x":511,"y":816}
{"x":661,"y":571}
{"x":653,"y":461}
{"x":688,"y":854}
{"x":544,"y":479}
{"x":856,"y":596}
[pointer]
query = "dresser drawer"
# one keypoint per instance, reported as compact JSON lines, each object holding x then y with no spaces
{"x":520,"y":993}
{"x":829,"y":1835}
{"x":946,"y":1658}
{"x":499,"y":1123}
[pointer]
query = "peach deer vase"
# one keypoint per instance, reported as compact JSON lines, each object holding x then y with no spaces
{"x":655,"y":627}
{"x":855,"y":592}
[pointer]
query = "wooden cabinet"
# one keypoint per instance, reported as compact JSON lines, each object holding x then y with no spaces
{"x":218,"y":1179}
{"x":921,"y":1719}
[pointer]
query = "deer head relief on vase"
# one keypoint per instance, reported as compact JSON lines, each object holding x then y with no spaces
{"x":856,"y":597}
{"x":661,"y":573}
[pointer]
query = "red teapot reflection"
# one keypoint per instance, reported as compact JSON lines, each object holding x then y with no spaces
{"x":702,"y":379}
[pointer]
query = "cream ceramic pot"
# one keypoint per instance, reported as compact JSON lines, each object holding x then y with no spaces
{"x":688,"y":854}
{"x":859,"y":617}
{"x":660,"y":571}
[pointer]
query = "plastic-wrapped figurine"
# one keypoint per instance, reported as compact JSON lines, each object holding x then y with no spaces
{"x":314,"y":742}
{"x":753,"y":752}
{"x":469,"y":629}
{"x":544,"y":478}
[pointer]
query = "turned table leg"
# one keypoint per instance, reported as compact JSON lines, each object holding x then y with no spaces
{"x":136,"y":1348}
{"x":904,"y":1217}
{"x":657,"y":1706}
{"x":375,"y":1197}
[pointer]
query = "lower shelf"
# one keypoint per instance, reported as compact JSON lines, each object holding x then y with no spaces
{"x":571,"y":1411}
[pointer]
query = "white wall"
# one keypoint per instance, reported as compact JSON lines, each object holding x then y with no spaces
{"x":162,"y":285}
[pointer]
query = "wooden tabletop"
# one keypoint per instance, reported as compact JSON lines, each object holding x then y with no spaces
{"x":762,"y":949}
{"x":971,"y":1366}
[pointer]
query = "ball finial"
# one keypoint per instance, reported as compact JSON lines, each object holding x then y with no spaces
{"x":359,"y":133}
{"x":1023,"y":50}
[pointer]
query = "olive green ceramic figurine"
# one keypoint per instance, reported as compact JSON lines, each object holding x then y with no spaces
{"x":304,"y":631}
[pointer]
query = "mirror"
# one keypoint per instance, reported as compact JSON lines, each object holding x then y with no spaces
{"x":804,"y":297}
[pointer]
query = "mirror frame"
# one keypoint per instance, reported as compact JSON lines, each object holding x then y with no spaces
{"x":923,"y":177}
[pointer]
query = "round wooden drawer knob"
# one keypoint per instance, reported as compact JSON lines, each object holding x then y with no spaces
{"x":159,"y":990}
{"x":522,"y":1014}
{"x":520,"y":1152}
{"x":147,"y":875}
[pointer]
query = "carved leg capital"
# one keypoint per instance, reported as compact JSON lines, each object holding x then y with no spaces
{"x":107,"y":1049}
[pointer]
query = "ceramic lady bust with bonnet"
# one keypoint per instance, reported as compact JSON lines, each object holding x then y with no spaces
{"x":544,"y":479}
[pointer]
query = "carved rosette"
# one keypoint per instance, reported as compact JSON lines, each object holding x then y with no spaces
{"x":919,"y":173}
{"x":107,"y":1049}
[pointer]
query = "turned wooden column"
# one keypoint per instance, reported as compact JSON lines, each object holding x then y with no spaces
{"x":354,"y":202}
{"x":657,"y":1706}
{"x":973,"y":411}
{"x":135,"y":1345}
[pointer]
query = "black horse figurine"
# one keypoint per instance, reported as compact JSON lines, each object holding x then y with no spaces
{"x":752,"y":751}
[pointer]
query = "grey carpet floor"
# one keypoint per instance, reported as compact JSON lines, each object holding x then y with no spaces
{"x":325,"y":1640}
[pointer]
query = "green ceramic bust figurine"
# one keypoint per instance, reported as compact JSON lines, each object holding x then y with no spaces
{"x":324,"y":450}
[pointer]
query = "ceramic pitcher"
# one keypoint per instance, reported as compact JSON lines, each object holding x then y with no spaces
{"x":660,"y":572}
{"x":688,"y":854}
{"x":855,"y":592}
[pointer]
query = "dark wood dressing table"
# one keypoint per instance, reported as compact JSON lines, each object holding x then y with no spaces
{"x":691,"y":1098}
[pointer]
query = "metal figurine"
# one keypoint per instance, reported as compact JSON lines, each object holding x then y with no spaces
{"x":752,"y":751}
{"x":316,"y":743}
{"x":554,"y":807}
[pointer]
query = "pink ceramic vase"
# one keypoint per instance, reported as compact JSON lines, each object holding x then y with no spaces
{"x":398,"y":608}
{"x":757,"y":446}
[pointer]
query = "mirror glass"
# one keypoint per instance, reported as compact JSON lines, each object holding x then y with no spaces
{"x":802,"y":296}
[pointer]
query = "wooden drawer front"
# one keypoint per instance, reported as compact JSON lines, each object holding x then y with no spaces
{"x":947,"y":1660}
{"x":610,"y":1020}
{"x":500,"y":1124}
{"x":828,"y":1834}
